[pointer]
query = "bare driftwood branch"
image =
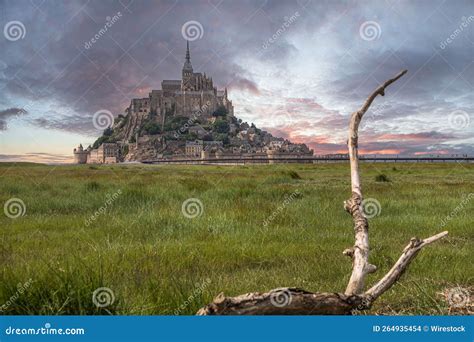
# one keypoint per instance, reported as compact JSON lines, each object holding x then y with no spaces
{"x":409,"y":253}
{"x":294,"y":301}
{"x":360,"y":251}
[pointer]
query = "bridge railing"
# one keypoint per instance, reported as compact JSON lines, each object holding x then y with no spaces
{"x":313,"y":159}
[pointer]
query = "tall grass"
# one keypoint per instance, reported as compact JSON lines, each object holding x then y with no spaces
{"x":153,"y":258}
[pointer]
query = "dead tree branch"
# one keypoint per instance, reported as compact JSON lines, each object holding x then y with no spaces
{"x":294,"y":301}
{"x":360,"y":251}
{"x":409,"y":253}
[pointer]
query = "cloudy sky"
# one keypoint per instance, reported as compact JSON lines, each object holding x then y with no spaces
{"x":296,"y":68}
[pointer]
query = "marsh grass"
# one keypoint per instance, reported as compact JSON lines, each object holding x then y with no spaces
{"x":382,"y":177}
{"x":153,"y":257}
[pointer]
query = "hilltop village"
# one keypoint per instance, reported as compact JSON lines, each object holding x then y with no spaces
{"x":186,"y":119}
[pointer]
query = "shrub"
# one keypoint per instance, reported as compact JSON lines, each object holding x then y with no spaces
{"x":221,"y":126}
{"x":222,"y":137}
{"x":191,"y":136}
{"x":175,"y":123}
{"x":152,"y":128}
{"x":382,"y":178}
{"x":100,"y":141}
{"x":207,"y":137}
{"x":294,"y":175}
{"x":108,"y":131}
{"x":92,"y":186}
{"x":125,"y":150}
{"x":220,"y":111}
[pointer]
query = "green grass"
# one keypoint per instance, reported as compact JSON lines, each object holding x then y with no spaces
{"x":156,"y":260}
{"x":382,"y":178}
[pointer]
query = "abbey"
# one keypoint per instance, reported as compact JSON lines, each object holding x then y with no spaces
{"x":194,"y":92}
{"x":187,"y":118}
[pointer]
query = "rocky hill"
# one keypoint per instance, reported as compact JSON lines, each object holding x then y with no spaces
{"x":145,"y":136}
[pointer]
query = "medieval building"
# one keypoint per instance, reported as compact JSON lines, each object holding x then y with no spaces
{"x":104,"y":154}
{"x":195,"y":92}
{"x":186,"y":118}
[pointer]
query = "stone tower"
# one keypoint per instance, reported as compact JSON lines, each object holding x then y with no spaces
{"x":80,"y":155}
{"x":187,"y":73}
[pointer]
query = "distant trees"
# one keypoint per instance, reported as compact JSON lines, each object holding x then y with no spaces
{"x":257,"y":130}
{"x":221,"y":126}
{"x":151,"y":128}
{"x":176,"y":123}
{"x":221,"y":111}
{"x":108,"y":132}
{"x":100,"y":141}
{"x":106,"y":137}
{"x":224,"y":138}
{"x":124,"y":150}
{"x":120,"y":121}
{"x":191,"y":136}
{"x":119,"y":118}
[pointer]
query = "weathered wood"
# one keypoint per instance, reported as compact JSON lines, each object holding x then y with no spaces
{"x":409,"y":253}
{"x":360,"y":251}
{"x":284,"y":301}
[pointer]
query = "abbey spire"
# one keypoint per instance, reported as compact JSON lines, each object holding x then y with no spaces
{"x":187,"y":67}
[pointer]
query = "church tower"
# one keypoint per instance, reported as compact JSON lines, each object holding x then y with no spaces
{"x":187,"y":82}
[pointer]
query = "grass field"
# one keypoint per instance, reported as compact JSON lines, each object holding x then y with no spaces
{"x":260,"y":227}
